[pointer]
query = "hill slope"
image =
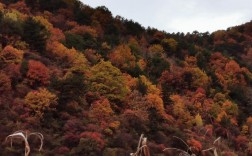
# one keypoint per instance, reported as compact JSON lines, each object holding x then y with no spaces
{"x":92,"y":84}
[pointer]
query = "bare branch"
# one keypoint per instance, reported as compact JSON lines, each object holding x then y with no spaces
{"x":216,"y":140}
{"x":177,"y":149}
{"x":215,"y":152}
{"x":182,"y":141}
{"x":212,"y":148}
{"x":206,"y":132}
{"x":140,"y":141}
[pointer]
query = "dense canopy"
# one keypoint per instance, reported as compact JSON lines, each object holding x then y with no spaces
{"x":92,"y":83}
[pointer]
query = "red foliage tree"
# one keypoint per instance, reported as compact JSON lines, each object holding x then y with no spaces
{"x":20,"y":6}
{"x":38,"y":73}
{"x":97,"y":137}
{"x":241,"y":142}
{"x":91,"y":143}
{"x":5,"y":83}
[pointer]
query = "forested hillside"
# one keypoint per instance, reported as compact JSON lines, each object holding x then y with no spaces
{"x":92,"y":83}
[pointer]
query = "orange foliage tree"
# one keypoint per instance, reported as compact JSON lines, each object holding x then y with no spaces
{"x":56,"y":35}
{"x":195,"y":144}
{"x":82,"y":30}
{"x":228,"y":72}
{"x":227,"y":112}
{"x":156,"y":102}
{"x":92,"y":56}
{"x":69,"y":58}
{"x":217,"y":61}
{"x":122,"y":57}
{"x":11,"y":55}
{"x":100,"y":110}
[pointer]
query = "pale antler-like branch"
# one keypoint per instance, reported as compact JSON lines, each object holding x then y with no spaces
{"x":213,"y":148}
{"x":182,"y":141}
{"x":142,"y":148}
{"x":182,"y":151}
{"x":23,"y":135}
{"x":20,"y":135}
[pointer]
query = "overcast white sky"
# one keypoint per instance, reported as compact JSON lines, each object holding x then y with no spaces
{"x":181,"y":15}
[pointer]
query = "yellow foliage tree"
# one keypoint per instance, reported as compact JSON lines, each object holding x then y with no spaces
{"x":14,"y":15}
{"x":172,"y":43}
{"x":156,"y":49}
{"x":198,"y":120}
{"x":199,"y":78}
{"x":108,"y":81}
{"x":79,"y":63}
{"x":178,"y":105}
{"x":43,"y":21}
{"x":39,"y":101}
{"x":180,"y":110}
{"x":151,"y":89}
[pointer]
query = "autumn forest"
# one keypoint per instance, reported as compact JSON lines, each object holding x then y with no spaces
{"x":92,"y":83}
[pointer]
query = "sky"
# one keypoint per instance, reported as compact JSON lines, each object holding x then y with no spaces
{"x":181,"y":15}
